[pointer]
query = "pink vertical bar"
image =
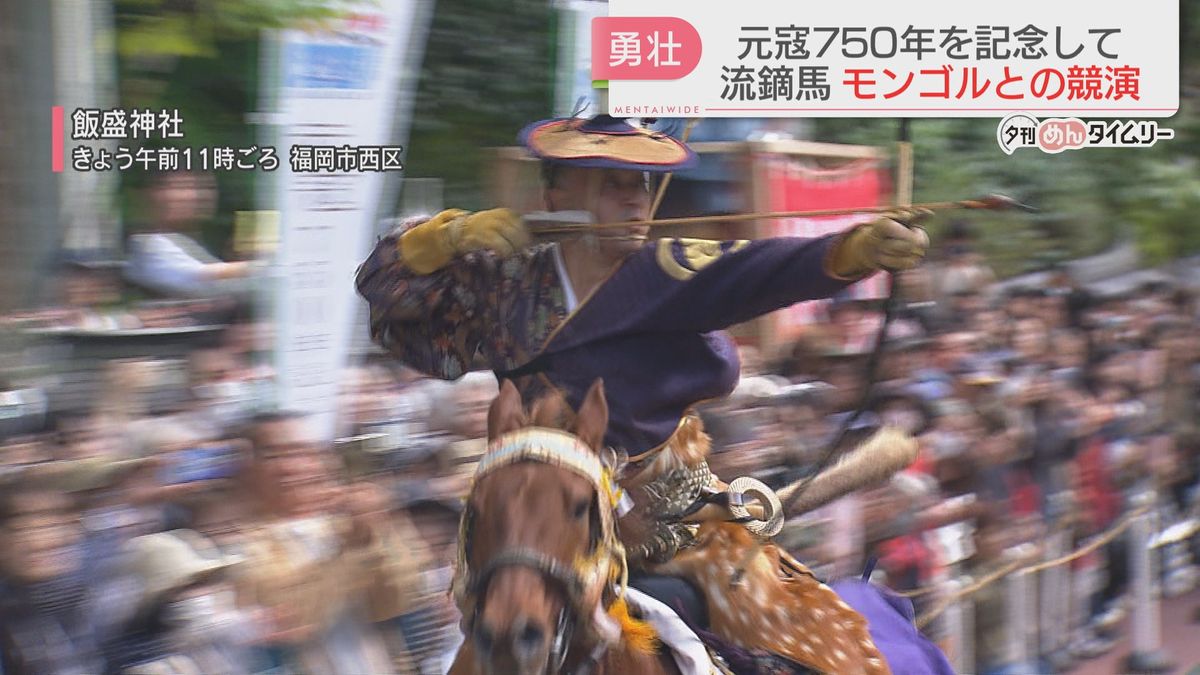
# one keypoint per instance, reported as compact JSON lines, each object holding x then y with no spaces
{"x":56,"y":138}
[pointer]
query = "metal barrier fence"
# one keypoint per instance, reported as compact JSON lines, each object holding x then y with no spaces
{"x":1047,"y":603}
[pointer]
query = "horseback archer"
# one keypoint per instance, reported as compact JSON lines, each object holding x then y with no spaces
{"x":467,"y":291}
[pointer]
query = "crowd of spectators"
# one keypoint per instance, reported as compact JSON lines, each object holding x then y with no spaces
{"x":1040,"y":411}
{"x":215,"y":533}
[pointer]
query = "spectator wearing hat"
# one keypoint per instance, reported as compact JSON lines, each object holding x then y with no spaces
{"x":902,"y":358}
{"x":845,"y":371}
{"x":185,"y":620}
{"x":978,"y":384}
{"x":903,"y":409}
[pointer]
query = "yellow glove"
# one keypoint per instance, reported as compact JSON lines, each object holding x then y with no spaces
{"x":884,"y":243}
{"x":431,"y":245}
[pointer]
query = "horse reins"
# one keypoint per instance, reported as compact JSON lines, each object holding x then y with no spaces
{"x":565,"y":451}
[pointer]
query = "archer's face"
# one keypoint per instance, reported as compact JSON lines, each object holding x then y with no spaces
{"x":611,"y":196}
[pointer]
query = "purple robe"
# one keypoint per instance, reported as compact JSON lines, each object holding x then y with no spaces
{"x":654,"y":330}
{"x":890,"y":621}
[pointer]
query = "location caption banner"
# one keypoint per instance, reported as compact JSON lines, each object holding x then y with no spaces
{"x":881,"y":59}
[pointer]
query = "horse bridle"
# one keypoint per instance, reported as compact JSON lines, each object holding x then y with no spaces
{"x":582,"y":583}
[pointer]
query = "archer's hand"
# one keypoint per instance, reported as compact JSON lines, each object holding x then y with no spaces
{"x":882,"y":244}
{"x":434,"y":243}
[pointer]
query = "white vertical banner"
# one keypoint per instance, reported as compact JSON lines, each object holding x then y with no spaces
{"x":85,"y":76}
{"x":336,"y":93}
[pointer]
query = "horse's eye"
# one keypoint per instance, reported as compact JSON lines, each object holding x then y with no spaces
{"x":581,"y":509}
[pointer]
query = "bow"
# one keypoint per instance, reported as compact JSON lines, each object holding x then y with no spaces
{"x":904,"y":187}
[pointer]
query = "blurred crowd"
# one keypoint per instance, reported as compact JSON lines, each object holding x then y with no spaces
{"x":1042,"y":411}
{"x":210,"y":532}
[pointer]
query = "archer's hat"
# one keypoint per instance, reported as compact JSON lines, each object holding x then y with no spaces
{"x":605,"y":142}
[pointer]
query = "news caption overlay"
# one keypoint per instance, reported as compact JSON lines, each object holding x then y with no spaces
{"x":884,"y":59}
{"x":147,"y":140}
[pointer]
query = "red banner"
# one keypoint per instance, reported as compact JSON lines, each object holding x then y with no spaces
{"x":795,"y":187}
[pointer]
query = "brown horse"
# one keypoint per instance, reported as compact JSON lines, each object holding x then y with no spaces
{"x":538,"y":552}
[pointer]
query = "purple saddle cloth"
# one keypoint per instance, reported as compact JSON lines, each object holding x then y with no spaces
{"x":890,"y":620}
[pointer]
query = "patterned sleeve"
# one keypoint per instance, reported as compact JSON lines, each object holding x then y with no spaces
{"x":441,"y":323}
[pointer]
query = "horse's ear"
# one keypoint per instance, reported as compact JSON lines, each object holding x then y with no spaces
{"x":507,"y":412}
{"x":592,"y":420}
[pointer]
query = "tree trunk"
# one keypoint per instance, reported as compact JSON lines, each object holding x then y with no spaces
{"x":28,"y":202}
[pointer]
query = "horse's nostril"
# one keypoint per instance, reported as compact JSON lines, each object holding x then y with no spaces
{"x":529,"y":639}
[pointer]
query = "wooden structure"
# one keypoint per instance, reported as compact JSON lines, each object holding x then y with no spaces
{"x":515,"y":183}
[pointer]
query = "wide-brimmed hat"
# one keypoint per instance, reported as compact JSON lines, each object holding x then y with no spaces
{"x":887,"y":395}
{"x":605,"y":142}
{"x":170,"y":561}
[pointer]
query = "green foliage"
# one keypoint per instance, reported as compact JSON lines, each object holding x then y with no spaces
{"x":201,"y":57}
{"x":191,"y":28}
{"x":1164,"y":213}
{"x":488,"y":71}
{"x":1088,"y":199}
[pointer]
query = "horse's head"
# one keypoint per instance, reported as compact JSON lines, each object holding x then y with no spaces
{"x":537,"y":544}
